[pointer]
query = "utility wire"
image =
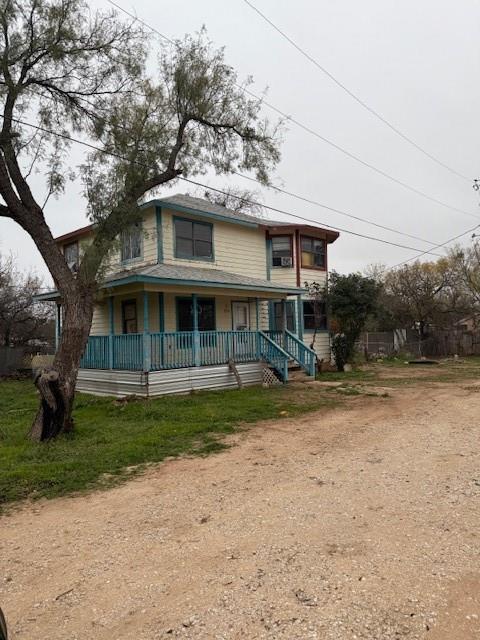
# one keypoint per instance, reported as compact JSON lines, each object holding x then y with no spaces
{"x":206,"y":186}
{"x":438,"y":246}
{"x":305,"y":199}
{"x":353,"y":95}
{"x":311,"y":131}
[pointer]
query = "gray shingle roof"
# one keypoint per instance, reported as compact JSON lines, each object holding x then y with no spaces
{"x":200,"y":204}
{"x":205,"y":277}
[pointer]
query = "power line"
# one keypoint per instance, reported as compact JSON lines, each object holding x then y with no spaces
{"x":354,"y":96}
{"x":312,"y":131}
{"x":305,"y":199}
{"x":206,"y":186}
{"x":438,"y":246}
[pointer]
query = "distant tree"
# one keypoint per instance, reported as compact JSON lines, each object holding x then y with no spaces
{"x":423,"y":295}
{"x":74,"y":71}
{"x":236,"y":199}
{"x":21,"y":318}
{"x":351,"y":300}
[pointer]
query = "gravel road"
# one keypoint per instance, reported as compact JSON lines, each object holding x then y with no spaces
{"x":360,"y":522}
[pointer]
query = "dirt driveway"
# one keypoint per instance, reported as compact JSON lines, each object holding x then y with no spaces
{"x":354,"y":523}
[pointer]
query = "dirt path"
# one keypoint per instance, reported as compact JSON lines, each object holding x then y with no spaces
{"x":359,"y":523}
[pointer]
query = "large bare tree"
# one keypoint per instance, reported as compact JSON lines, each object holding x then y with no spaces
{"x":71,"y":71}
{"x":21,"y":318}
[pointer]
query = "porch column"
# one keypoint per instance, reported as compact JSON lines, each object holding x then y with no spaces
{"x":111,"y":332}
{"x":147,"y":357}
{"x":284,"y":314}
{"x":58,"y":325}
{"x":196,"y":334}
{"x":300,"y":316}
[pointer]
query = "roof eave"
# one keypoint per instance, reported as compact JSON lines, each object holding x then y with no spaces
{"x":198,"y":212}
{"x":144,"y":279}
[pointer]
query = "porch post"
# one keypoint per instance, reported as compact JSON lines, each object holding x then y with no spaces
{"x":300,"y":316}
{"x":111,"y":324}
{"x":147,"y":358}
{"x":58,"y":325}
{"x":284,"y":314}
{"x":257,"y":313}
{"x":196,"y":335}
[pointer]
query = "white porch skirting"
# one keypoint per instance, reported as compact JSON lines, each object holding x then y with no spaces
{"x":104,"y":382}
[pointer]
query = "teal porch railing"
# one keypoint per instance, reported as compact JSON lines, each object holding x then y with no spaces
{"x":182,"y":349}
{"x":273,"y":354}
{"x":296,"y":349}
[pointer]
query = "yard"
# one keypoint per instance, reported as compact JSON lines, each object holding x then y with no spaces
{"x":350,"y":511}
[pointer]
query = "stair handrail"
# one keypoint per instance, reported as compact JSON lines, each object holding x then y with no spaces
{"x":309,"y":364}
{"x":283,"y":371}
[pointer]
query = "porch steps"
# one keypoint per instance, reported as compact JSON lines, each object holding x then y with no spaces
{"x":297,"y":374}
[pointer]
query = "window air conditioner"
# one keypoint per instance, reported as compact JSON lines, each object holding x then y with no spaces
{"x":286,"y":262}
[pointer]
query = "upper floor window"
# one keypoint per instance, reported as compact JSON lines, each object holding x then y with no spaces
{"x":132,"y":243}
{"x":282,"y":254}
{"x":313,"y":253}
{"x":193,"y":239}
{"x":71,"y":253}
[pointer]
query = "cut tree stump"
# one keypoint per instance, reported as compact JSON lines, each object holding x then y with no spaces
{"x":49,"y":420}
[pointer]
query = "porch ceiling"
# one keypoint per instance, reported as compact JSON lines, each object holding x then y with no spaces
{"x":179,"y":275}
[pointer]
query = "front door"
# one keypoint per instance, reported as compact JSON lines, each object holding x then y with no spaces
{"x":240,"y":316}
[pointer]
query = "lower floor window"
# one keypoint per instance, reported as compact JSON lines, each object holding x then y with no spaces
{"x":277,"y":312}
{"x":205,"y":312}
{"x":314,"y":315}
{"x":129,"y":316}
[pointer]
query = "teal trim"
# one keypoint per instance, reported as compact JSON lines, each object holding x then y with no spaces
{"x":197,"y":212}
{"x":161,"y":312}
{"x":146,"y":317}
{"x":300,"y":317}
{"x":158,"y":218}
{"x":197,"y":283}
{"x":196,"y":258}
{"x":195,"y":311}
{"x":49,"y":295}
{"x":111,"y":316}
{"x":269,"y":257}
{"x":111,"y":323}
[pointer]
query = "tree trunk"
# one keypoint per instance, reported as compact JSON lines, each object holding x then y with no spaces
{"x":57,"y":383}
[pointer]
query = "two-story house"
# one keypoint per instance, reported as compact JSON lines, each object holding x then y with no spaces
{"x":195,"y":288}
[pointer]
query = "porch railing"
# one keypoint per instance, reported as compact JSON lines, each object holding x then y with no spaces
{"x":182,"y":349}
{"x":296,"y":349}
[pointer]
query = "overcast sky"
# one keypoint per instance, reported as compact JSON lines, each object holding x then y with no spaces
{"x":416,"y":63}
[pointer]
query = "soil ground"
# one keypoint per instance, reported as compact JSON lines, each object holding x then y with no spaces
{"x":360,"y":522}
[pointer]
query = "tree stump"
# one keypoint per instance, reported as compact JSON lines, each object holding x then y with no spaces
{"x":51,"y":414}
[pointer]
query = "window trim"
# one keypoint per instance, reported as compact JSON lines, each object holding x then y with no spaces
{"x":138,"y":258}
{"x":282,"y":235}
{"x":124,"y":304}
{"x":193,"y":221}
{"x":308,"y":329}
{"x":189,"y":298}
{"x":308,"y":266}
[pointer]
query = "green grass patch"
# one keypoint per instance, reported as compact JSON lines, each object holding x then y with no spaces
{"x":113,"y":440}
{"x":346,"y":376}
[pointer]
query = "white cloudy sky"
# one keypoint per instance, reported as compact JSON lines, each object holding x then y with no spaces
{"x":417,"y":63}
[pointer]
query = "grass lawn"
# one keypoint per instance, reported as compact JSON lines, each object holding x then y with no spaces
{"x":113,"y":440}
